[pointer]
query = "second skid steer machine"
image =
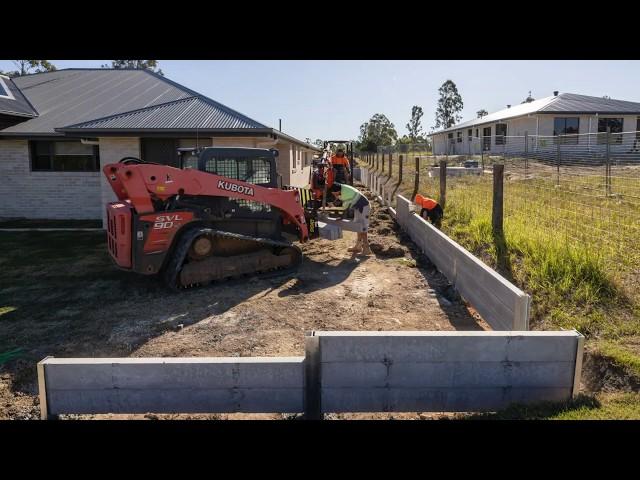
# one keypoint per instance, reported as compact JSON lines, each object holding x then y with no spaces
{"x":222,"y":214}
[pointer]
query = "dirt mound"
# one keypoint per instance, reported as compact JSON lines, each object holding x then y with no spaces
{"x":599,"y":374}
{"x":387,"y":249}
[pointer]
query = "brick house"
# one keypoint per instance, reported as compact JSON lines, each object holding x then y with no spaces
{"x":57,"y":129}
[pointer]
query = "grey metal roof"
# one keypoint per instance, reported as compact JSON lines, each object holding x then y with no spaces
{"x":18,"y":105}
{"x":70,"y":96}
{"x":574,"y":103}
{"x":562,"y":103}
{"x":515,"y":111}
{"x":189,"y":113}
{"x":124,"y":100}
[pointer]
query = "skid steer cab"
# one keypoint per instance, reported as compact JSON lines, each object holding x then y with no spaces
{"x":222,"y":212}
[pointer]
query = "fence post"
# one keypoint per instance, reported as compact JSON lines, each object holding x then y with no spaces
{"x":497,"y":210}
{"x":377,"y":161}
{"x":416,"y":179}
{"x":443,"y":183}
{"x":390,"y":164}
{"x":401,"y":158}
{"x":382,"y":162}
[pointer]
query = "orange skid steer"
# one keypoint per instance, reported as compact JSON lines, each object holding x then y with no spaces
{"x":220,"y":215}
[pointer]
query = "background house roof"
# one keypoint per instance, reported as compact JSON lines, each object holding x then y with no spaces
{"x":566,"y":103}
{"x":18,"y":105}
{"x":574,"y":103}
{"x":514,"y":111}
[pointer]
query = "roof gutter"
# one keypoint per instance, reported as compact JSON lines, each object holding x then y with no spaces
{"x":174,"y":132}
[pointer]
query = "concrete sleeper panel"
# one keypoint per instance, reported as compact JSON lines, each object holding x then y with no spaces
{"x":448,"y":346}
{"x":447,"y":374}
{"x":434,"y":399}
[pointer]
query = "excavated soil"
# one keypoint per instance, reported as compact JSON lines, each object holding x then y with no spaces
{"x":397,"y":288}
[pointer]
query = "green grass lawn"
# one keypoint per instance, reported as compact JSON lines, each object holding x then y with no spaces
{"x":56,"y":289}
{"x":616,"y":406}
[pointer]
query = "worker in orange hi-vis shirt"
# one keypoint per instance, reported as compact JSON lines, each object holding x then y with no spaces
{"x":430,"y":210}
{"x":340,"y":164}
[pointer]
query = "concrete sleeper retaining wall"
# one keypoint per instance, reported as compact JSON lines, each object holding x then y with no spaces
{"x":340,"y":372}
{"x":503,"y":305}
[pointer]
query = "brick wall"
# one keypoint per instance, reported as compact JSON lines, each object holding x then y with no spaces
{"x":51,"y":195}
{"x":112,"y":150}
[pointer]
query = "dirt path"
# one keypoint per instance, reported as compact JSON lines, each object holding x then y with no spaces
{"x":331,"y":291}
{"x":395,"y":289}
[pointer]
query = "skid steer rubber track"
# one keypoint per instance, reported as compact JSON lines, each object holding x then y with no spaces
{"x":266,"y":258}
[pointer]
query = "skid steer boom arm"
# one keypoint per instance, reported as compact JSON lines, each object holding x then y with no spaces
{"x":141,"y":184}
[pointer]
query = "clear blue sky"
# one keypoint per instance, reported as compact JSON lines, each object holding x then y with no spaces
{"x":322,"y":99}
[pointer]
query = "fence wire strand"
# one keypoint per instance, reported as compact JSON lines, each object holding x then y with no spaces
{"x":581,"y":190}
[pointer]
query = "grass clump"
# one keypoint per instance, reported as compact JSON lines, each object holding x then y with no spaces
{"x":619,"y":406}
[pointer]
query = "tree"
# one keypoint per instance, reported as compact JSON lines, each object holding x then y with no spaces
{"x":139,"y":64}
{"x":378,"y":131}
{"x":414,"y":126}
{"x":529,"y":98}
{"x":26,"y":67}
{"x":482,"y":113}
{"x":319,"y":143}
{"x":449,"y":105}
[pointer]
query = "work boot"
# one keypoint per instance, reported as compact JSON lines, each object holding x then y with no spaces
{"x":357,"y":247}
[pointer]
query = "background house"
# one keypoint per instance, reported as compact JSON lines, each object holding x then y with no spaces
{"x":57,"y":130}
{"x":580,"y":116}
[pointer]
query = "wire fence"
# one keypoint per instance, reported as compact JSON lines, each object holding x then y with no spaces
{"x":579,"y":190}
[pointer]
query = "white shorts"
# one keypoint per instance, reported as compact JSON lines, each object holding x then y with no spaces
{"x":362,"y":218}
{"x":360,"y":222}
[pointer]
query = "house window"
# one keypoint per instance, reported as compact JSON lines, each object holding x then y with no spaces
{"x":450,"y":137}
{"x":64,"y":156}
{"x":477,"y":132}
{"x":615,"y":124}
{"x":486,"y":139}
{"x":567,"y":126}
{"x":470,"y":133}
{"x":4,"y":90}
{"x":501,"y":133}
{"x":459,"y":137}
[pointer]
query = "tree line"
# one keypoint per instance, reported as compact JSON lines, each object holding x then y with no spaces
{"x":379,"y":131}
{"x":27,"y":67}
